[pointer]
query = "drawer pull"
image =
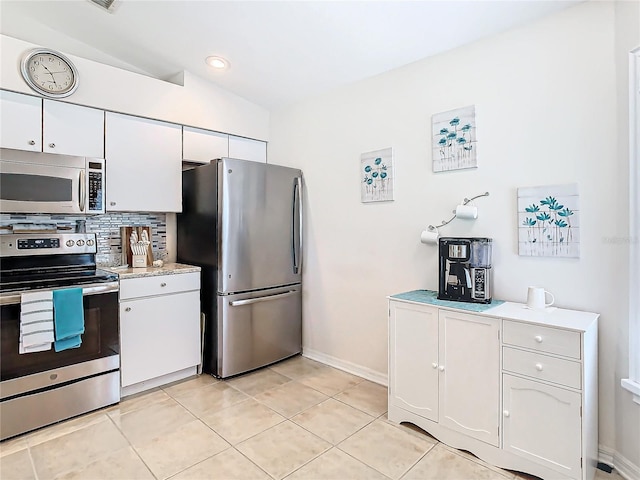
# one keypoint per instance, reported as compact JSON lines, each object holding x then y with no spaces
{"x":539,"y":367}
{"x":163,"y":284}
{"x":52,"y":145}
{"x":32,"y":142}
{"x":538,"y":338}
{"x":441,"y":368}
{"x":506,"y":413}
{"x":434,"y":365}
{"x":128,"y":309}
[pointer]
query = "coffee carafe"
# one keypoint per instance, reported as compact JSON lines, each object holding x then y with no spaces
{"x":465,"y":269}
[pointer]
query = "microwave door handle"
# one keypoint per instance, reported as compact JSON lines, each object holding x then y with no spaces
{"x":83,"y":191}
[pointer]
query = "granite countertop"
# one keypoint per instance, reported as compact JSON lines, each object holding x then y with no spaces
{"x":166,"y":269}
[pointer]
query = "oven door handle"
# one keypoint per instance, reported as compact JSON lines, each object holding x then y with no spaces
{"x":14,"y":298}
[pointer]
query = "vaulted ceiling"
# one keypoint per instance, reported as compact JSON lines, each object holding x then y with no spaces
{"x":279,"y":51}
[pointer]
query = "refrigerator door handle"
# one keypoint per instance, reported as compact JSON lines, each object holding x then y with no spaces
{"x":297,"y":201}
{"x":249,"y":301}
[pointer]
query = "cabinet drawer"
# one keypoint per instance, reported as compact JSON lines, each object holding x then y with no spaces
{"x":543,"y":367}
{"x":542,"y":339}
{"x":158,"y":285}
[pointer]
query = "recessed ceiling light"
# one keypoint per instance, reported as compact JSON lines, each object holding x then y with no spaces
{"x":218,"y":63}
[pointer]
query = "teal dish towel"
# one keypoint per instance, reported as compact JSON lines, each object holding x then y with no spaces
{"x":68,"y":318}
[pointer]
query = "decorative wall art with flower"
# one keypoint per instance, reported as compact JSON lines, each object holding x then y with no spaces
{"x":454,"y":139}
{"x":549,"y":221}
{"x":376,"y":176}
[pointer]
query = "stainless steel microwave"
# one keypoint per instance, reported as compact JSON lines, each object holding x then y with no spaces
{"x":33,"y":182}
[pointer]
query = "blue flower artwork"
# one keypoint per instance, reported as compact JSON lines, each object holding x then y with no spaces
{"x":549,"y":221}
{"x":376,"y":169}
{"x":454,"y":139}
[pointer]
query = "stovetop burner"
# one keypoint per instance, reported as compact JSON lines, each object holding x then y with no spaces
{"x":14,"y":284}
{"x":49,"y":261}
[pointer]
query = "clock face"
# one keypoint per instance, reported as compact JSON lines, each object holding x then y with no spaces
{"x":49,"y":73}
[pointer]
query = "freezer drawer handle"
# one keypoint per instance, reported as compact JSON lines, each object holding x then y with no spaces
{"x":249,"y":301}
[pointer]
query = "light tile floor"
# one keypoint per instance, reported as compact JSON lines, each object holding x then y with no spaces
{"x":298,"y":420}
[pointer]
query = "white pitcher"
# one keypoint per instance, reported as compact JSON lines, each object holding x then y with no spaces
{"x":536,"y":298}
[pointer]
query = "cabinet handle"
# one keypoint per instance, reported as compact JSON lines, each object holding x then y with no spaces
{"x":441,"y":368}
{"x":52,"y":145}
{"x":434,"y":365}
{"x":538,"y":338}
{"x":32,"y":142}
{"x":163,"y":284}
{"x":112,"y":203}
{"x":506,"y":413}
{"x":539,"y":367}
{"x":128,"y":309}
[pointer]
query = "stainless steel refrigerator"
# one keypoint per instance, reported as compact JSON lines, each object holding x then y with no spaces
{"x":241,"y":222}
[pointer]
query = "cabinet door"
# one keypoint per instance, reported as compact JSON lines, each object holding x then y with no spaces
{"x":20,"y":121}
{"x":73,"y":130}
{"x":247,"y":149}
{"x":543,"y":424}
{"x":470,"y":375}
{"x":203,"y":145}
{"x":144,"y":164}
{"x":158,"y":336}
{"x":413,"y":358}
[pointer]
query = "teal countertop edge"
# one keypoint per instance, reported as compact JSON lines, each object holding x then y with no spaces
{"x":430,"y":297}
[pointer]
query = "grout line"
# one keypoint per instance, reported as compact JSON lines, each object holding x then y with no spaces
{"x":132,"y":446}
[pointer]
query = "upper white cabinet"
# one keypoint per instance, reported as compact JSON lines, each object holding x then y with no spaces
{"x":20,"y":121}
{"x":50,"y":127}
{"x":144,"y":164}
{"x":72,"y":130}
{"x":247,"y":149}
{"x":202,"y":146}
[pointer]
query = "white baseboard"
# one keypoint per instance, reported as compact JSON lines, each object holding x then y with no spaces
{"x":157,"y":382}
{"x":623,"y":466}
{"x":372,"y":375}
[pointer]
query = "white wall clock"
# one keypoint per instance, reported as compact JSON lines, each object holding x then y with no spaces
{"x":49,"y":73}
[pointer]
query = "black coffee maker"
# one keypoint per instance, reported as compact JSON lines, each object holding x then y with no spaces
{"x":465,"y":269}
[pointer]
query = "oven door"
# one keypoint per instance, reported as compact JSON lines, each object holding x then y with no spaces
{"x":98,"y":353}
{"x":43,"y":187}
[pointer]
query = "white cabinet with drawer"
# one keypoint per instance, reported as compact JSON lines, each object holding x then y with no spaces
{"x":159,"y":329}
{"x":451,"y":372}
{"x":544,"y":403}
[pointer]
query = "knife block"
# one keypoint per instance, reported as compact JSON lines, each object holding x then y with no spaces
{"x":127,"y":254}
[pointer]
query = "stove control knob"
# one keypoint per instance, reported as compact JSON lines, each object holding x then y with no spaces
{"x":70,"y":243}
{"x":80,"y":243}
{"x":90,"y":243}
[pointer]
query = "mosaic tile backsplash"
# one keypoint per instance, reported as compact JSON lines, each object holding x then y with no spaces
{"x":107,"y":230}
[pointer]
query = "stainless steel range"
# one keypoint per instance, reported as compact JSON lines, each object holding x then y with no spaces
{"x":44,"y":387}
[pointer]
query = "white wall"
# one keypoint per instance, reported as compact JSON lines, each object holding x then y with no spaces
{"x":545,"y":96}
{"x":198,"y":103}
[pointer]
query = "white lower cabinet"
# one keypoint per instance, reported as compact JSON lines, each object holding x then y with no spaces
{"x":159,"y":329}
{"x":516,"y":388}
{"x":446,"y":367}
{"x":543,"y":423}
{"x":470,"y":375}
